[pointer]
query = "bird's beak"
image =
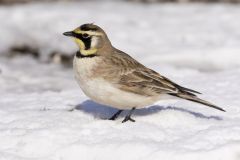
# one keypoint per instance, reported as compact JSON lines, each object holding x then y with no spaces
{"x":69,"y":34}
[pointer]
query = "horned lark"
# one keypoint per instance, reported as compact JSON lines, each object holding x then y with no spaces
{"x":112,"y":77}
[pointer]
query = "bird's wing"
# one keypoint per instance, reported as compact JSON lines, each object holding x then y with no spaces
{"x":134,"y":77}
{"x":148,"y":82}
{"x":129,"y":75}
{"x":141,"y":82}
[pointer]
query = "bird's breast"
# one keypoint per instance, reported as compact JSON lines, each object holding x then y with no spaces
{"x":92,"y":85}
{"x":84,"y":67}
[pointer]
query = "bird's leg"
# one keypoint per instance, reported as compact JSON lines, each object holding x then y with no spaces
{"x":128,"y":117}
{"x":116,"y":115}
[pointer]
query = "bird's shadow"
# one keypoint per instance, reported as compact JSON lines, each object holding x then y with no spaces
{"x":105,"y":112}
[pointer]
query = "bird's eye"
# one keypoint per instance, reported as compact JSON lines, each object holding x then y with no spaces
{"x":85,"y":35}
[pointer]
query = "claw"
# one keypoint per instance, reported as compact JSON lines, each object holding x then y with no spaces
{"x":128,"y":119}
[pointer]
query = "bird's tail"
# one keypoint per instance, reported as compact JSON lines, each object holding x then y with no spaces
{"x":198,"y":100}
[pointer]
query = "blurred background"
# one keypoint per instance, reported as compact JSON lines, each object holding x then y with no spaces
{"x":195,"y":43}
{"x":205,"y":33}
{"x":143,"y":1}
{"x":177,"y":38}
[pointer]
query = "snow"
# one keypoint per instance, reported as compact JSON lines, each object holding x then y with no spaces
{"x":195,"y":45}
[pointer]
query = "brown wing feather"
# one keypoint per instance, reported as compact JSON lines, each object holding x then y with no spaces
{"x":140,"y":81}
{"x":129,"y":75}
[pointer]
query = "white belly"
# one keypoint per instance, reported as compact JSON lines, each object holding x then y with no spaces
{"x":103,"y":91}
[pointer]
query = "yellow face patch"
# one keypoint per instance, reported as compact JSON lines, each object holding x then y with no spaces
{"x":82,"y":48}
{"x":81,"y":44}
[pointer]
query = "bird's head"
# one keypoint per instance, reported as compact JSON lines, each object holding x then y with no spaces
{"x":90,"y":39}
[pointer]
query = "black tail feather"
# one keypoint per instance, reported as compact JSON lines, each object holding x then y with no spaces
{"x":197,"y":100}
{"x":188,"y":90}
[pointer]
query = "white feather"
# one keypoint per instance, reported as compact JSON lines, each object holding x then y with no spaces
{"x":94,"y":42}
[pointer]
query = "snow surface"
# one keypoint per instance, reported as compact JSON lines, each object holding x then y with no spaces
{"x":195,"y":45}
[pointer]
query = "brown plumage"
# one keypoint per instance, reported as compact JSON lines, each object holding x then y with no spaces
{"x":112,"y":77}
{"x":129,"y":75}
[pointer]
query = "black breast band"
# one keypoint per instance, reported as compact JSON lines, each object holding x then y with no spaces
{"x":80,"y":55}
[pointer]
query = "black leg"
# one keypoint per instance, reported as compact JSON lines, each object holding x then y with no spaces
{"x":116,"y":115}
{"x":128,"y":117}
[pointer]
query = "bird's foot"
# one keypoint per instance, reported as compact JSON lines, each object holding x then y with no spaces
{"x":128,"y":118}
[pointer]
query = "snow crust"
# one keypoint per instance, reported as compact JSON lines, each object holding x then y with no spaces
{"x":44,"y":114}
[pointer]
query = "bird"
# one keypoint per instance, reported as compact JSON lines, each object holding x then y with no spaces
{"x":111,"y":77}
